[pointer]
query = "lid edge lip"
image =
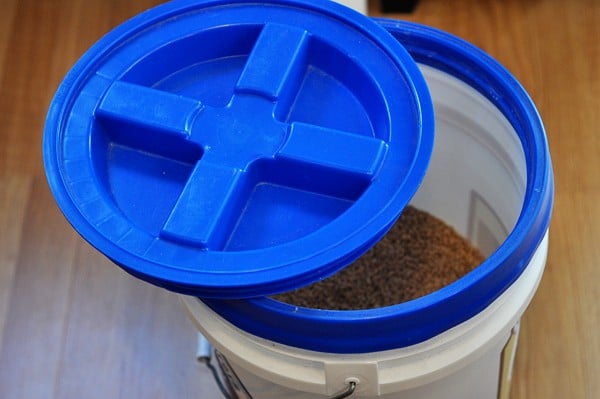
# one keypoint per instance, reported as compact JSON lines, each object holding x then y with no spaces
{"x":512,"y":257}
{"x":62,"y":101}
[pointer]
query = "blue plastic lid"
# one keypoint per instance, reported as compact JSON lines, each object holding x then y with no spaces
{"x":232,"y":149}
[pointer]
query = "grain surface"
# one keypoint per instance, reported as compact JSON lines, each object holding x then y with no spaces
{"x":419,"y":255}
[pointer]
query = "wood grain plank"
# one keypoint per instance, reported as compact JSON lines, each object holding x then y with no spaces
{"x":24,"y":84}
{"x":126,"y":339}
{"x":570,"y":61}
{"x":39,"y":300}
{"x":560,"y":345}
{"x":7,"y":20}
{"x":46,"y":40}
{"x":13,"y":198}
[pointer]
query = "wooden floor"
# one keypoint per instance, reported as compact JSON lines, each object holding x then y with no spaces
{"x":72,"y":325}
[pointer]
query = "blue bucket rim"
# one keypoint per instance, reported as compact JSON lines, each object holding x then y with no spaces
{"x":415,"y":321}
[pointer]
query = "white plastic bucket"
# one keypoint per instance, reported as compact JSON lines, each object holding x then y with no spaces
{"x":490,"y":178}
{"x":358,"y":5}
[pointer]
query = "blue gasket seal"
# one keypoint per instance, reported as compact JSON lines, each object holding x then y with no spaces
{"x":234,"y":149}
{"x":412,"y":322}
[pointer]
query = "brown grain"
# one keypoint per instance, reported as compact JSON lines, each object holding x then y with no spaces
{"x":419,"y":255}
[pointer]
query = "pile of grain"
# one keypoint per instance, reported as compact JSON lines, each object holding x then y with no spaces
{"x":419,"y":255}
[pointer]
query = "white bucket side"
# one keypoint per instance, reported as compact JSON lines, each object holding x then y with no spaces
{"x":476,"y":380}
{"x":299,"y":370}
{"x":478,"y":161}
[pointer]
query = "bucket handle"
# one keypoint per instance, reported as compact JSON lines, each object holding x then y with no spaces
{"x":349,"y":391}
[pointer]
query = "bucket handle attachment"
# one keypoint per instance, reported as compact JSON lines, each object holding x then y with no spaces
{"x":347,"y":392}
{"x":204,"y":355}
